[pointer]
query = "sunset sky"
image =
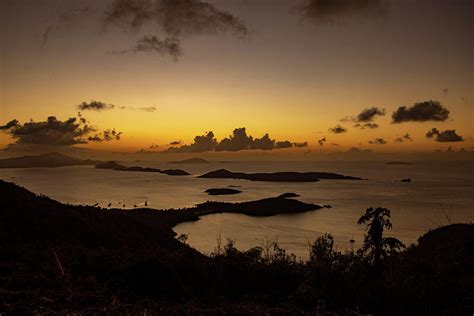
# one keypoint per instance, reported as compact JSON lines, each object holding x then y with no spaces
{"x":292,"y":69}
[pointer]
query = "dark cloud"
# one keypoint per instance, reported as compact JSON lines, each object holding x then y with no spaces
{"x":444,"y":136}
{"x":300,"y":145}
{"x":239,"y":140}
{"x":322,"y":141}
{"x":367,"y":125}
{"x":102,"y":106}
{"x":95,"y":106}
{"x":282,"y":144}
{"x":405,"y":137}
{"x":368,"y":115}
{"x":378,"y":141}
{"x":202,"y":143}
{"x":174,"y":17}
{"x":170,"y":46}
{"x":176,"y":142}
{"x":421,"y":112}
{"x":365,"y":118}
{"x":334,"y":10}
{"x":153,"y":146}
{"x":9,"y":125}
{"x":338,"y":129}
{"x":334,"y":144}
{"x":54,"y":132}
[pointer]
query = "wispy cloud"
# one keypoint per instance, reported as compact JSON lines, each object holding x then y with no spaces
{"x":102,"y":106}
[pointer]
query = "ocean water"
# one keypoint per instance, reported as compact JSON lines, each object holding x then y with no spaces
{"x":441,"y":192}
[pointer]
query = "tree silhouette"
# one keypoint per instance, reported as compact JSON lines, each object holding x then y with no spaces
{"x":375,"y":245}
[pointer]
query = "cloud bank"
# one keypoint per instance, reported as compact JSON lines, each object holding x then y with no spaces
{"x":54,"y":132}
{"x":239,"y":140}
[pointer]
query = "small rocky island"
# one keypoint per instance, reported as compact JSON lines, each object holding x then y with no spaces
{"x":276,"y":176}
{"x":222,"y":191}
{"x":116,"y":166}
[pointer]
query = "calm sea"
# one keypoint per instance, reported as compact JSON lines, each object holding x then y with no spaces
{"x":440,"y":192}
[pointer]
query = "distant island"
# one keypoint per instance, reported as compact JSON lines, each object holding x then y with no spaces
{"x":288,"y":195}
{"x":398,"y":163}
{"x":276,"y":176}
{"x":49,"y":160}
{"x":264,"y":207}
{"x":190,"y":161}
{"x":222,"y":191}
{"x":116,"y":166}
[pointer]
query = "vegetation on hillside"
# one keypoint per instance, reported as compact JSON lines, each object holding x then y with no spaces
{"x":61,"y":259}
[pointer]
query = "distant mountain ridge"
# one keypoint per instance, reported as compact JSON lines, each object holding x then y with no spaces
{"x":49,"y":160}
{"x":190,"y":160}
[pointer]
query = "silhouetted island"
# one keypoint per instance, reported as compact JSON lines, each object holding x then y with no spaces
{"x":116,"y":166}
{"x":264,"y":207}
{"x":288,"y":195}
{"x":49,"y":160}
{"x":65,"y":259}
{"x":222,"y":191}
{"x":405,"y":180}
{"x":398,"y":163}
{"x":276,"y":176}
{"x":190,"y":161}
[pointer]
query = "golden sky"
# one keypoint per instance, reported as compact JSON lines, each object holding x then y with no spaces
{"x":293,"y":75}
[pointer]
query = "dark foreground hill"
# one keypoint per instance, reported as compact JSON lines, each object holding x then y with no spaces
{"x":276,"y":176}
{"x":63,"y":259}
{"x":44,"y":160}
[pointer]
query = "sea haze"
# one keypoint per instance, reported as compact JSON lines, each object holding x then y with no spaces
{"x":440,"y":192}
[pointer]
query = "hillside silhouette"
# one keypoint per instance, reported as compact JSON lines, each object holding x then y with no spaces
{"x":59,"y":258}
